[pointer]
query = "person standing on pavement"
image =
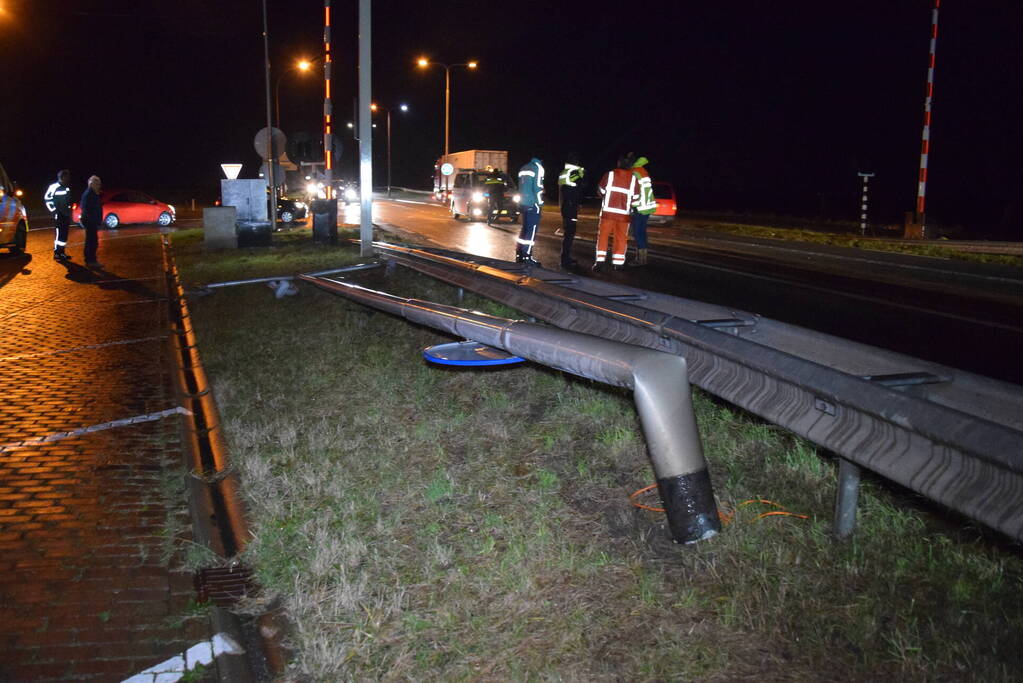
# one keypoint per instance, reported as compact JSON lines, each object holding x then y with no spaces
{"x":571,"y":191}
{"x":531,"y":199}
{"x":619,"y":188}
{"x":642,"y":207}
{"x":92,"y":216}
{"x":58,"y":203}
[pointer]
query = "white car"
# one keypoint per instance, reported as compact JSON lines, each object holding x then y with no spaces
{"x":13,"y":217}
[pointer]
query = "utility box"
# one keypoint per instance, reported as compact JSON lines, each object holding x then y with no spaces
{"x":248,"y":196}
{"x":218,"y":226}
{"x":251,"y":202}
{"x":324,"y":220}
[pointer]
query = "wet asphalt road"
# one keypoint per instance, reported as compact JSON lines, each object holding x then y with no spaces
{"x":964,"y":315}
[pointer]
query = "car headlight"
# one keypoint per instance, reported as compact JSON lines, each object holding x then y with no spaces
{"x":477,"y":196}
{"x":312,"y":188}
{"x":299,"y":205}
{"x":517,"y":198}
{"x":172,"y":209}
{"x":351,"y":194}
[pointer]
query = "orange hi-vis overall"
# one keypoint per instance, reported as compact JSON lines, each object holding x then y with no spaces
{"x":619,"y":189}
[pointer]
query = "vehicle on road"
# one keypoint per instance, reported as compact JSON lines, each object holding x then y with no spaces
{"x":13,"y":217}
{"x":291,"y":209}
{"x":471,"y":197}
{"x":130,"y":206}
{"x":449,"y":165}
{"x":667,"y":204}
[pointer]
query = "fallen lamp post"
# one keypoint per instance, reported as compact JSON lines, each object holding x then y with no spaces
{"x":659,"y":382}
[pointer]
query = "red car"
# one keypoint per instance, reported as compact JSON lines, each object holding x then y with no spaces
{"x":667,"y":205}
{"x":130,"y":206}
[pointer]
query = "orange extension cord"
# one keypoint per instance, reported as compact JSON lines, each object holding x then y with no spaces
{"x":726,"y":517}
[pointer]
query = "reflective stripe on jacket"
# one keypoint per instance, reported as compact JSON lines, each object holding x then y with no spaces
{"x":58,"y":199}
{"x":620,"y":189}
{"x":645,"y":202}
{"x":531,"y":183}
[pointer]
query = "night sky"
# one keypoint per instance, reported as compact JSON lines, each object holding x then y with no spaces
{"x":743,"y":104}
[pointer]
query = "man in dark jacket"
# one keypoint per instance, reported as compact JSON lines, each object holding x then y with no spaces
{"x":92,"y":216}
{"x":58,"y":203}
{"x":571,"y":191}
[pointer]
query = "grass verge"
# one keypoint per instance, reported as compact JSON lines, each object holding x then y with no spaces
{"x":947,"y":250}
{"x":418,"y":522}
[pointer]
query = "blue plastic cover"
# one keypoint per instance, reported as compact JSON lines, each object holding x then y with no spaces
{"x":468,"y":353}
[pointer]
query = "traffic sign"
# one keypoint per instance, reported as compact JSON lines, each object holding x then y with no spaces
{"x":277,"y":141}
{"x":446,"y":168}
{"x":231,"y":170}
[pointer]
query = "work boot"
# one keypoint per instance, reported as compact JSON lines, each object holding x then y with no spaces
{"x":61,"y":256}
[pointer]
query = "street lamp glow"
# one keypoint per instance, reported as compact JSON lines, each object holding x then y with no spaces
{"x":472,"y":65}
{"x":423,"y":61}
{"x":373,"y":107}
{"x":404,"y":107}
{"x":304,"y":65}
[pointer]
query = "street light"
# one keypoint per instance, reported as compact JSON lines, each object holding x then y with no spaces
{"x":423,"y":62}
{"x":302,"y":65}
{"x":376,"y":107}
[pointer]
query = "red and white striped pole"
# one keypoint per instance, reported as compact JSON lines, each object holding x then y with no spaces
{"x":328,"y":124}
{"x":925,"y":146}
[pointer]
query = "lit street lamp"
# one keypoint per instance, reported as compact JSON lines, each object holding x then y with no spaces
{"x":303,"y":65}
{"x":375,"y":107}
{"x":424,"y":62}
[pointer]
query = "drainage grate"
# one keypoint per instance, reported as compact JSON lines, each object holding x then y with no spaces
{"x":224,"y":586}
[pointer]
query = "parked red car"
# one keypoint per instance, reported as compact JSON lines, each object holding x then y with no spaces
{"x":667,"y":205}
{"x":130,"y":206}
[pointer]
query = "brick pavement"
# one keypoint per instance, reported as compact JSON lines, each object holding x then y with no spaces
{"x":93,"y":525}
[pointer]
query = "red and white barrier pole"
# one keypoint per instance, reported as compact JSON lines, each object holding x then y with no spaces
{"x":925,"y":146}
{"x":328,"y":106}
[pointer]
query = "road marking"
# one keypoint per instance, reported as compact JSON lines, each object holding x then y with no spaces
{"x":123,"y":422}
{"x":175,"y":668}
{"x":42,"y":354}
{"x":411,"y":201}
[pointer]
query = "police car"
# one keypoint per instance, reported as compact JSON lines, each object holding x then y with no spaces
{"x":13,"y":217}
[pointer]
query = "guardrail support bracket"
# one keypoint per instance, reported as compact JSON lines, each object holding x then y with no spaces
{"x":847,"y":498}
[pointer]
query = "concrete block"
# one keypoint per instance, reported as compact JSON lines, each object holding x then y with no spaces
{"x":219,"y":227}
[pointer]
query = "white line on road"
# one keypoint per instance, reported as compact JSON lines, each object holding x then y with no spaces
{"x":425,"y":203}
{"x":41,"y":354}
{"x":175,"y":668}
{"x":123,"y":422}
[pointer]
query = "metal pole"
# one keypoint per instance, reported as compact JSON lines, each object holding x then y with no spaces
{"x":863,"y":202}
{"x":447,"y":107}
{"x":365,"y":131}
{"x":925,"y":145}
{"x":388,"y":153}
{"x":659,"y":381}
{"x":328,"y":107}
{"x":269,"y":127}
{"x":277,"y":100}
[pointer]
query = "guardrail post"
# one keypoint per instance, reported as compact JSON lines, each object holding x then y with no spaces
{"x":847,"y":498}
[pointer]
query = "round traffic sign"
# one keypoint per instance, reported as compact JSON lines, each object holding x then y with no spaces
{"x":446,"y":168}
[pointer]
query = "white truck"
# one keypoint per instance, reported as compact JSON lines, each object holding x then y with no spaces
{"x":448,"y":166}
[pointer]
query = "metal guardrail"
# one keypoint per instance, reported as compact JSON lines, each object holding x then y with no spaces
{"x":952,"y":436}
